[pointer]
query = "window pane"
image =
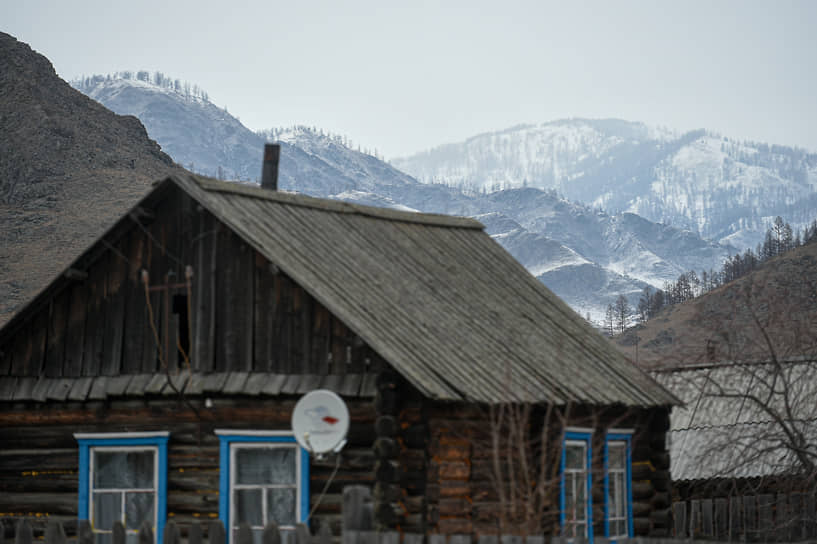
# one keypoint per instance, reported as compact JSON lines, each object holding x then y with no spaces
{"x":249,"y":507}
{"x":574,"y":456}
{"x":138,"y":508}
{"x":581,"y":507}
{"x":265,"y":465}
{"x":615,"y":456}
{"x":123,"y":470}
{"x":107,"y":510}
{"x":281,"y":506}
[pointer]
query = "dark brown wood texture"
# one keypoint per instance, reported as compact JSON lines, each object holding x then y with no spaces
{"x":245,"y":315}
{"x":39,"y":458}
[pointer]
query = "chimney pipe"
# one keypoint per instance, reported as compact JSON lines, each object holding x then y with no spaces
{"x":269,"y":174}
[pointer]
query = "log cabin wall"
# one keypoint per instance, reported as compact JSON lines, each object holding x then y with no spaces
{"x":240,"y":313}
{"x":39,"y":458}
{"x":461,"y":491}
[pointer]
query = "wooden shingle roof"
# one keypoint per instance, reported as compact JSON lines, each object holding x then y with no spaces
{"x":435,"y":296}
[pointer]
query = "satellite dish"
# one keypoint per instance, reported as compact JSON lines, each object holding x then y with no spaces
{"x":320,"y":422}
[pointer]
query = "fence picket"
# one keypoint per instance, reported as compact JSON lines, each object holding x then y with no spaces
{"x":84,"y":533}
{"x":215,"y":532}
{"x":436,"y":539}
{"x":244,"y":535}
{"x":324,"y":535}
{"x":461,"y":539}
{"x":24,"y":533}
{"x":171,"y":534}
{"x":302,"y":534}
{"x":118,"y":533}
{"x":145,"y":533}
{"x":534,"y":539}
{"x":412,"y":538}
{"x":390,"y":537}
{"x":194,"y":535}
{"x":679,"y":517}
{"x":271,"y":534}
{"x":54,"y":533}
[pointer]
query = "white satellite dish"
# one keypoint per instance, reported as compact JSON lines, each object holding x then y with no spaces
{"x":320,"y":422}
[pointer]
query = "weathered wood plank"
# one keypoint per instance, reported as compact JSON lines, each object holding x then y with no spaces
{"x":23,"y":388}
{"x":204,"y":293}
{"x":273,"y":384}
{"x":99,"y":388}
{"x":679,"y":511}
{"x":114,"y":325}
{"x":158,"y":381}
{"x":308,"y":383}
{"x":75,"y":330}
{"x":235,"y":383}
{"x":290,"y":386}
{"x":117,"y":385}
{"x":39,"y":331}
{"x":351,"y":385}
{"x":214,"y":383}
{"x":136,"y":318}
{"x":138,"y":384}
{"x":264,"y":304}
{"x":59,"y":390}
{"x":94,"y":322}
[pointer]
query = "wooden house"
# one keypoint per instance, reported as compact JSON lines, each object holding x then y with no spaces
{"x":154,"y":378}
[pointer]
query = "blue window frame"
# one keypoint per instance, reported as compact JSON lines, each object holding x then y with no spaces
{"x":575,"y":497}
{"x":123,"y":477}
{"x":618,"y":493}
{"x":264,"y":476}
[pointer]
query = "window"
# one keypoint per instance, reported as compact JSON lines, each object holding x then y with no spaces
{"x":575,"y":498}
{"x":123,"y":477}
{"x":618,"y":516}
{"x":264,"y":478}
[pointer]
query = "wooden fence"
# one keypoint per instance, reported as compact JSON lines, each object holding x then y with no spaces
{"x":761,"y":518}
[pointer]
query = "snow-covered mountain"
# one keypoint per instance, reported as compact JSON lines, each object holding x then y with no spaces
{"x":718,"y":187}
{"x":586,"y":256}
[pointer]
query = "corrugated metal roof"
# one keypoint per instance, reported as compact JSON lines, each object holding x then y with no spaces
{"x":435,"y":296}
{"x":722,"y":432}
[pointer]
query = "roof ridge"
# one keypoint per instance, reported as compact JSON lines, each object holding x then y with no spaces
{"x":335,"y":206}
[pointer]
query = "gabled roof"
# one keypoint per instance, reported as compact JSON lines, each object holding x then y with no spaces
{"x":434,"y":295}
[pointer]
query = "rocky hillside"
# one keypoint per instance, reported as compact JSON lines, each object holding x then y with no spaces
{"x":771,"y":312}
{"x":68,"y":167}
{"x":715,"y":186}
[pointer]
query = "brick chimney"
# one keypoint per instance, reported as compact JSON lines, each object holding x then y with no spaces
{"x":269,"y":173}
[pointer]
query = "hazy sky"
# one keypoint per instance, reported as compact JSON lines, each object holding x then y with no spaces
{"x":406,"y":76}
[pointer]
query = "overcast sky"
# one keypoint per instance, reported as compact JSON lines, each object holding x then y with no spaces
{"x":406,"y":76}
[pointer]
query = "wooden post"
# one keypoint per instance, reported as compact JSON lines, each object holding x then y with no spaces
{"x":694,"y":518}
{"x":24,"y":533}
{"x":215,"y":532}
{"x":765,"y":505}
{"x":54,"y":533}
{"x":750,"y":518}
{"x":118,"y":535}
{"x":810,"y":515}
{"x":735,"y":519}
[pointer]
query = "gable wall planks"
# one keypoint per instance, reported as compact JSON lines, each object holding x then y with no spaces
{"x":263,"y":313}
{"x":39,"y":332}
{"x":94,"y":321}
{"x":55,"y":343}
{"x":115,"y":314}
{"x":22,"y":350}
{"x":75,"y":330}
{"x":136,"y":317}
{"x":203,"y":306}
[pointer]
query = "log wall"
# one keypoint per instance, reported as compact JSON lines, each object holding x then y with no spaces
{"x":39,"y":457}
